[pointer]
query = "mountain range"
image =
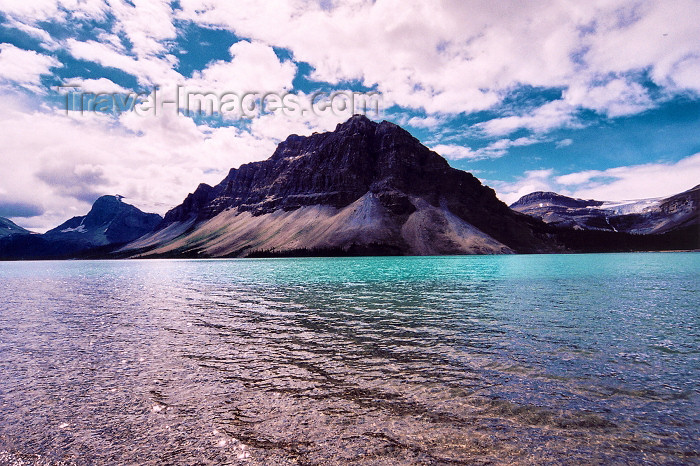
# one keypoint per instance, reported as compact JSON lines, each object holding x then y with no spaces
{"x":109,"y":223}
{"x":646,"y":216}
{"x":365,"y":188}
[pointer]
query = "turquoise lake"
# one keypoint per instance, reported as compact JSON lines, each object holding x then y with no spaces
{"x":381,"y":360}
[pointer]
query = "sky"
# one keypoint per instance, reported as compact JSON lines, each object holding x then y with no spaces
{"x":597,"y":99}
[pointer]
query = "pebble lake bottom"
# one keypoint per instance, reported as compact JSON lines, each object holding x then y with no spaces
{"x":531,"y":359}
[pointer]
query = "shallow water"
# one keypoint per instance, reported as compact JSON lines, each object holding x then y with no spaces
{"x":438,"y":360}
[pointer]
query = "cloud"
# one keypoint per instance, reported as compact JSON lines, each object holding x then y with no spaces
{"x":503,"y":144}
{"x":148,"y":71}
{"x":685,"y":74}
{"x":24,"y":67}
{"x":425,"y":122}
{"x":456,"y":152}
{"x":466,"y":56}
{"x":39,"y":9}
{"x":147,"y":24}
{"x":62,"y":162}
{"x":578,"y":177}
{"x":531,"y":181}
{"x":54,"y":10}
{"x":48,"y":42}
{"x":19,"y":209}
{"x":618,"y":97}
{"x":254,"y":67}
{"x":277,"y":126}
{"x":96,"y":86}
{"x":494,"y":150}
{"x":563,"y":143}
{"x":549,"y":116}
{"x":661,"y":36}
{"x":614,"y":184}
{"x":83,"y":182}
{"x":636,"y":181}
{"x":446,"y":57}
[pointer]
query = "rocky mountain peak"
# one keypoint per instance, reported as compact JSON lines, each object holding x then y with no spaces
{"x":110,"y":220}
{"x":109,"y":223}
{"x":332,"y":168}
{"x":360,"y":159}
{"x":551,"y":198}
{"x":356,"y":123}
{"x":104,"y":208}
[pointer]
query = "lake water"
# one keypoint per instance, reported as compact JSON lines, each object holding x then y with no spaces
{"x":431,"y":360}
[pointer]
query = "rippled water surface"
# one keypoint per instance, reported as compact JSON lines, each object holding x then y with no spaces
{"x":439,"y":360}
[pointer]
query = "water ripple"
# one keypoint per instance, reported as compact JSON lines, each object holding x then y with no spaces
{"x":577,"y":359}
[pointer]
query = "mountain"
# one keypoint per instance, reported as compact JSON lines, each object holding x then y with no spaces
{"x":365,"y":188}
{"x":647,"y":216}
{"x":8,"y":228}
{"x":110,"y":223}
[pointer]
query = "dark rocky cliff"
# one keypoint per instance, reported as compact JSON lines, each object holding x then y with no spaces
{"x":360,"y":157}
{"x":648,"y":216}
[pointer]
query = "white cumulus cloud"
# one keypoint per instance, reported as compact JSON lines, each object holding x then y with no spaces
{"x":24,"y":67}
{"x":659,"y":179}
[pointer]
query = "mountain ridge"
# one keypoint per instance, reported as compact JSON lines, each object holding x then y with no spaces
{"x":109,"y":223}
{"x":366,"y":188}
{"x":364,"y":184}
{"x":8,"y":228}
{"x":643,"y":216}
